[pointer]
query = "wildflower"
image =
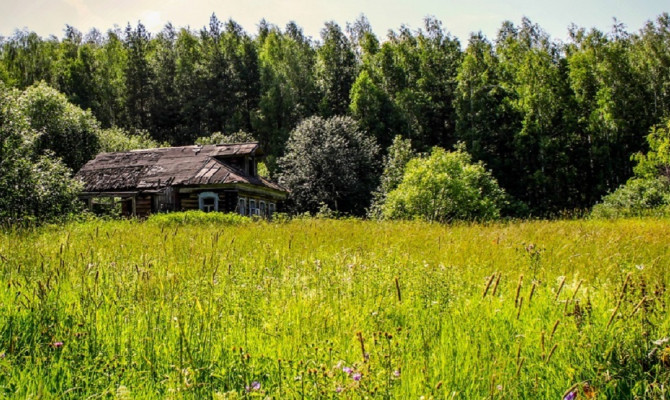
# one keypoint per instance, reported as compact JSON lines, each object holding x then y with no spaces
{"x":57,"y":345}
{"x":572,"y":395}
{"x":499,"y":387}
{"x":396,"y":373}
{"x":255,"y":386}
{"x":357,"y":376}
{"x":3,"y":355}
{"x":347,"y":370}
{"x":338,"y":389}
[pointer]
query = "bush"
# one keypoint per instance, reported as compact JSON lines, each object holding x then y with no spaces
{"x":648,"y":192}
{"x":65,"y":129}
{"x":332,"y":162}
{"x":638,"y":197}
{"x":116,"y":139}
{"x":443,"y":187}
{"x":35,"y":187}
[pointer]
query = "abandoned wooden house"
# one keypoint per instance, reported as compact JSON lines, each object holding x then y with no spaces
{"x":210,"y":178}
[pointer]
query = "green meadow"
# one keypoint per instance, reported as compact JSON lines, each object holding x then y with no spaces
{"x":315,"y":308}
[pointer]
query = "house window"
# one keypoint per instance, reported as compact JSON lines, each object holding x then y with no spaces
{"x":252,"y":207}
{"x":262,"y":207}
{"x":242,"y":206}
{"x":208,"y":201}
{"x":271,"y":209}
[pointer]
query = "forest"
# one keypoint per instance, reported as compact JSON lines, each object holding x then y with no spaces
{"x":557,"y":124}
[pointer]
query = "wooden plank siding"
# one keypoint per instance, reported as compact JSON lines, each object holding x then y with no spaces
{"x":143,"y":206}
{"x":227,"y":200}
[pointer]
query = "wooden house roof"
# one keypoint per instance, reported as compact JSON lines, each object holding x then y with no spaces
{"x":154,"y":169}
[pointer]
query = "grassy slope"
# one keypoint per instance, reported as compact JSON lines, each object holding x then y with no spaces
{"x":159,"y":310}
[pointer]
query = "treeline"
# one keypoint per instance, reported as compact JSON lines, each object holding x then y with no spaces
{"x":556,"y":123}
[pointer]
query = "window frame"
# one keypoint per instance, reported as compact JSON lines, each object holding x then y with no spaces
{"x":252,"y":208}
{"x":208,"y":195}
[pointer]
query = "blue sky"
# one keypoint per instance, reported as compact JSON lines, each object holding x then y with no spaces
{"x":47,"y":17}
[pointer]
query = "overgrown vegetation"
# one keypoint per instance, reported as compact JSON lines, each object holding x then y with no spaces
{"x":34,"y":187}
{"x":330,"y":162}
{"x":335,"y":309}
{"x":445,"y":186}
{"x":194,"y":218}
{"x":555,"y":122}
{"x":648,"y":192}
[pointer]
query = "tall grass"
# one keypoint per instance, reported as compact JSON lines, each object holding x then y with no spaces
{"x":335,"y":309}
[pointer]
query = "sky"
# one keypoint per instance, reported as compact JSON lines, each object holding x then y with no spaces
{"x":460,"y":18}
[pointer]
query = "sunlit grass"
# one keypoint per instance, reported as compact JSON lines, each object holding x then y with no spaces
{"x":321,"y":308}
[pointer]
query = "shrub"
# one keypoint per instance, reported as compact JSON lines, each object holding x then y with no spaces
{"x":332,"y":162}
{"x":648,"y":192}
{"x":116,"y":139}
{"x":638,"y":197}
{"x":35,"y":187}
{"x":65,"y":129}
{"x":445,"y":186}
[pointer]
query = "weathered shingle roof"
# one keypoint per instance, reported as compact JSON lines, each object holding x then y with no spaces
{"x":154,"y":169}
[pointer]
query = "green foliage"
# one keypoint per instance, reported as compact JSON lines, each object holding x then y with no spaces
{"x":289,"y":91}
{"x":555,"y":122}
{"x":65,"y":129}
{"x":332,"y":162}
{"x":648,"y":192}
{"x":219,"y":138}
{"x":116,"y":139}
{"x":445,"y":186}
{"x":191,"y":218}
{"x":524,"y":310}
{"x":335,"y":70}
{"x":34,"y":185}
{"x":373,"y":109}
{"x":637,"y":197}
{"x":656,"y":163}
{"x":397,"y":156}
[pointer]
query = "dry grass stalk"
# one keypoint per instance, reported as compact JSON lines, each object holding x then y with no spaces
{"x":397,"y":289}
{"x":488,"y":284}
{"x":560,"y":287}
{"x":618,"y":304}
{"x":518,"y":290}
{"x":532,"y":291}
{"x":553,"y":330}
{"x":551,"y":353}
{"x":495,"y":286}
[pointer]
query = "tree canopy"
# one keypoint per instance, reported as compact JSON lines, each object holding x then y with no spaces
{"x":332,"y":162}
{"x":34,"y":185}
{"x":648,"y":190}
{"x":556,"y":122}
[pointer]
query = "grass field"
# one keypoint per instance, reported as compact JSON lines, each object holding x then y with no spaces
{"x":336,"y":309}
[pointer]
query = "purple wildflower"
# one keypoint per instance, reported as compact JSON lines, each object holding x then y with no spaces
{"x":338,"y":389}
{"x":347,"y":370}
{"x":357,"y":376}
{"x":396,"y":373}
{"x":3,"y":355}
{"x":255,"y":385}
{"x":572,"y":395}
{"x":57,"y":345}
